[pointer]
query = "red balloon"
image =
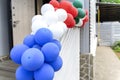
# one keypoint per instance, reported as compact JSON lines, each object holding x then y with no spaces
{"x":70,"y":22}
{"x":86,"y":18}
{"x":86,"y":11}
{"x":73,"y":11}
{"x":66,"y":5}
{"x":54,"y":3}
{"x":83,"y":25}
{"x":56,"y":9}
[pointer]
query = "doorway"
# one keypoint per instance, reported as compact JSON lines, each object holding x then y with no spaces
{"x":5,"y":28}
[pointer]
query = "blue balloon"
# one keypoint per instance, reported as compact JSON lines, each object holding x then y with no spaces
{"x":57,"y":43}
{"x":43,"y":36}
{"x":37,"y":46}
{"x":46,"y":72}
{"x":22,"y":74}
{"x":57,"y":64}
{"x":17,"y":52}
{"x":32,"y":59}
{"x":29,"y":40}
{"x":50,"y":51}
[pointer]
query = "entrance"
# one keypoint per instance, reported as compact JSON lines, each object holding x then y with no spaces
{"x":5,"y":30}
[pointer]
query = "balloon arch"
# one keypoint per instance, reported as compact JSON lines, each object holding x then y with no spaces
{"x":38,"y":55}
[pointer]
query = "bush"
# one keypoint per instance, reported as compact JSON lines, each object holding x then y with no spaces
{"x":116,"y":46}
{"x":111,"y":1}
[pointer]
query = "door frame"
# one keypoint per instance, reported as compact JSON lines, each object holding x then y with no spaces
{"x":10,"y":31}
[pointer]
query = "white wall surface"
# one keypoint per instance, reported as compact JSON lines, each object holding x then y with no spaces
{"x":4,"y":47}
{"x":93,"y":38}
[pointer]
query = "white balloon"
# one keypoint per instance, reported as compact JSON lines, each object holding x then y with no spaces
{"x":37,"y":24}
{"x":80,"y":23}
{"x":57,"y":31}
{"x":63,"y":25}
{"x":46,"y":7}
{"x":50,"y":17}
{"x":36,"y":17}
{"x":62,"y":14}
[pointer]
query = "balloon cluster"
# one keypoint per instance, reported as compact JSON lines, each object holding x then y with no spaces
{"x":38,"y":55}
{"x":76,"y":15}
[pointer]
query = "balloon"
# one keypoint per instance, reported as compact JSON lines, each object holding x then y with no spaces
{"x":36,"y":25}
{"x":46,"y":7}
{"x":72,"y":24}
{"x":36,"y":17}
{"x":77,"y":20}
{"x":57,"y":43}
{"x":17,"y":52}
{"x":62,"y":14}
{"x":66,"y":5}
{"x":73,"y":11}
{"x":46,"y":72}
{"x":43,"y":36}
{"x":77,"y":4}
{"x":37,"y":46}
{"x":29,"y":40}
{"x":63,"y":25}
{"x":80,"y":23}
{"x":81,"y":13}
{"x":57,"y":30}
{"x":22,"y":74}
{"x":86,"y":18}
{"x":87,"y":12}
{"x":50,"y":17}
{"x":83,"y":24}
{"x":50,"y":51}
{"x":70,"y":21}
{"x":32,"y":59}
{"x":57,"y":64}
{"x":54,"y":3}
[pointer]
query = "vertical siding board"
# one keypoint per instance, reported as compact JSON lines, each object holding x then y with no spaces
{"x":70,"y":55}
{"x":93,"y":38}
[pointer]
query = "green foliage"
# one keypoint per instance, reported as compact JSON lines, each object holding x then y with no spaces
{"x":116,"y":46}
{"x":111,"y":1}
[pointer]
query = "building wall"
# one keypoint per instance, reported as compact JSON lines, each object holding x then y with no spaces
{"x":70,"y":54}
{"x":93,"y":34}
{"x":89,"y":43}
{"x":84,"y":33}
{"x":4,"y":43}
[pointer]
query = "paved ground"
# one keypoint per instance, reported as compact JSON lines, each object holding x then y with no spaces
{"x":107,"y":65}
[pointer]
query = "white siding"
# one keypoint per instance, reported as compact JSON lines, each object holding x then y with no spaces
{"x":70,"y":54}
{"x":93,"y":38}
